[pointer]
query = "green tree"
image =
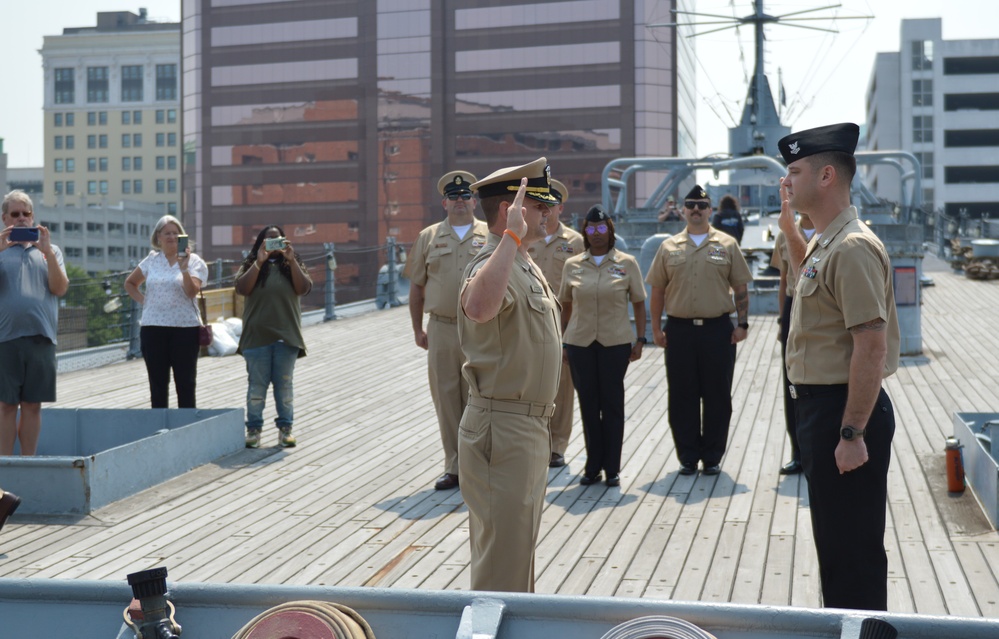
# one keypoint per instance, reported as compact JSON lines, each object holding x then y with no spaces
{"x":87,"y":292}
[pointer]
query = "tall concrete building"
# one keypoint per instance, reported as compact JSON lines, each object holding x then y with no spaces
{"x":112,"y":104}
{"x":335,"y":119}
{"x":938,"y":99}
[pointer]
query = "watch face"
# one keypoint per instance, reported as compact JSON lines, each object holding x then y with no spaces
{"x":846,"y":433}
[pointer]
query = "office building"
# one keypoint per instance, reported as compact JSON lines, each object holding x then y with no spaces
{"x":336,"y":119}
{"x":112,"y":103}
{"x":939,"y":100}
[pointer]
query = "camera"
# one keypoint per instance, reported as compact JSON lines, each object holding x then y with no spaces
{"x":274,"y":243}
{"x":23,"y":234}
{"x":182,"y":243}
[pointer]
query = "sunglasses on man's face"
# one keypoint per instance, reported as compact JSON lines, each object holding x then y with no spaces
{"x":455,"y":196}
{"x":16,"y":214}
{"x":600,"y":228}
{"x":691,"y":204}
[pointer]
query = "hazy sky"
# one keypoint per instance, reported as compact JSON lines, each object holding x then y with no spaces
{"x":825,"y":76}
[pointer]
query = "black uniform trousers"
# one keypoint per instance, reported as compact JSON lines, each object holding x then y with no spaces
{"x":166,"y":349}
{"x":598,"y":377}
{"x":790,"y":422}
{"x":700,"y":364}
{"x":848,"y":511}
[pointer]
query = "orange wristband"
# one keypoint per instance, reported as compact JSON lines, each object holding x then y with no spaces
{"x":513,"y":235}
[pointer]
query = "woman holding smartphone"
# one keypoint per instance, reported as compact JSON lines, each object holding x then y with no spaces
{"x":173,"y":276}
{"x":273,"y":279}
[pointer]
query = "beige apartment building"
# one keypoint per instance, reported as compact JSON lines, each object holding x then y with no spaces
{"x":112,"y":96}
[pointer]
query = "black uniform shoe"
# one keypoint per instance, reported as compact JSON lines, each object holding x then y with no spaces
{"x":614,"y":480}
{"x":586,"y":480}
{"x":688,"y":469}
{"x":792,"y":467}
{"x":8,"y":504}
{"x":557,"y":461}
{"x":713,"y":469}
{"x":446,"y":482}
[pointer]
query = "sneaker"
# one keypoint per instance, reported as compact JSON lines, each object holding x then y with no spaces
{"x":286,"y":439}
{"x":253,"y":439}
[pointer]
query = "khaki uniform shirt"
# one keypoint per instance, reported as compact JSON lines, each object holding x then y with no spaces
{"x":551,"y":256}
{"x":437,"y":261}
{"x":845,"y":280}
{"x":781,"y":259}
{"x":600,"y":296}
{"x":517,"y":355}
{"x":698,"y":280}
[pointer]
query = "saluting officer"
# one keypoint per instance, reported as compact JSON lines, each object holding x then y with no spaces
{"x":781,"y":261}
{"x":509,"y":332}
{"x":435,"y":265}
{"x":844,"y":340}
{"x":550,"y":253}
{"x":693,"y":277}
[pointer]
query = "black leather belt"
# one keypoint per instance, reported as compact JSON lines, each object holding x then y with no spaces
{"x":696,"y":321}
{"x":814,"y":390}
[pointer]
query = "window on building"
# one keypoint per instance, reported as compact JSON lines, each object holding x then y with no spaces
{"x":126,"y":140}
{"x":70,"y":165}
{"x":58,"y":119}
{"x":126,"y":186}
{"x":126,"y":117}
{"x":97,"y":84}
{"x":133,"y":251}
{"x":65,"y":87}
{"x":160,"y":163}
{"x":70,"y":188}
{"x":102,"y":117}
{"x":73,"y":251}
{"x":92,"y":118}
{"x":95,"y":251}
{"x":70,"y":142}
{"x":102,"y":140}
{"x":172,"y":208}
{"x":926,"y":162}
{"x":161,"y":186}
{"x":116,"y":227}
{"x":95,"y":227}
{"x":116,"y":251}
{"x":133,"y":228}
{"x":171,"y":139}
{"x":160,"y":116}
{"x":166,"y":81}
{"x":53,"y":227}
{"x":137,"y":163}
{"x":58,"y":190}
{"x":131,"y":83}
{"x":91,"y":141}
{"x":91,"y":165}
{"x":137,"y":188}
{"x":126,"y":163}
{"x":971,"y":174}
{"x":160,"y":139}
{"x":922,"y":55}
{"x":144,"y":230}
{"x":70,"y":119}
{"x":136,"y":140}
{"x":104,"y":187}
{"x":102,"y":164}
{"x":57,"y":143}
{"x":171,"y":116}
{"x":922,"y":128}
{"x":172,"y":162}
{"x":137,"y":117}
{"x":171,"y":186}
{"x":58,"y":166}
{"x":73,"y":227}
{"x":92,"y":187}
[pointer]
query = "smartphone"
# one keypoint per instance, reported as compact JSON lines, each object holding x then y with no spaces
{"x":181,"y":244}
{"x":23,"y":234}
{"x":274,"y":243}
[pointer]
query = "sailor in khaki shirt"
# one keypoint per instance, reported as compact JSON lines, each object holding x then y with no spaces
{"x":844,"y":339}
{"x":508,"y":329}
{"x":693,"y":277}
{"x":435,"y":266}
{"x":781,"y":261}
{"x":597,"y":288}
{"x":550,"y":253}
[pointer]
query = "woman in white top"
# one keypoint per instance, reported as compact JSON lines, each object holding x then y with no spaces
{"x":170,"y":315}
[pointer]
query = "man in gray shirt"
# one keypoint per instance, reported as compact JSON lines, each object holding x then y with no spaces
{"x":32,"y":278}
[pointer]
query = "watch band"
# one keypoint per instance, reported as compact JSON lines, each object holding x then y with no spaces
{"x":643,"y":339}
{"x":744,"y":325}
{"x":849,"y":433}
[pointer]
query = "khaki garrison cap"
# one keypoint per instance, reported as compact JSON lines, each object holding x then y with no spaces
{"x":507,"y":182}
{"x":456,"y":182}
{"x":560,"y":192}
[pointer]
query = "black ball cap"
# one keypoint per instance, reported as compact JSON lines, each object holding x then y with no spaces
{"x":841,"y":137}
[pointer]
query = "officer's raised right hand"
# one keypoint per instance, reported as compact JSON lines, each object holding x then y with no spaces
{"x":786,"y":219}
{"x":515,"y":222}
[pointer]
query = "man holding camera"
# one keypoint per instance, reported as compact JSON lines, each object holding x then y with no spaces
{"x":32,"y":278}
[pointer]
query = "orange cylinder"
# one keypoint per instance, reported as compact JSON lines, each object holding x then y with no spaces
{"x":955,"y":465}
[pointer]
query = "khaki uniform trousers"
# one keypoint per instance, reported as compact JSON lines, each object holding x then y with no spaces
{"x":561,"y":422}
{"x":448,"y":387}
{"x":504,"y":470}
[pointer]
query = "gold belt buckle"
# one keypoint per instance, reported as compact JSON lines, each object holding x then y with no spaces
{"x":794,"y":392}
{"x":698,"y":322}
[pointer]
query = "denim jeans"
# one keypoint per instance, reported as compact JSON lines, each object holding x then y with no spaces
{"x":270,"y":365}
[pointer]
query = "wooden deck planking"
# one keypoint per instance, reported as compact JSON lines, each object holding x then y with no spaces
{"x":354,"y":505}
